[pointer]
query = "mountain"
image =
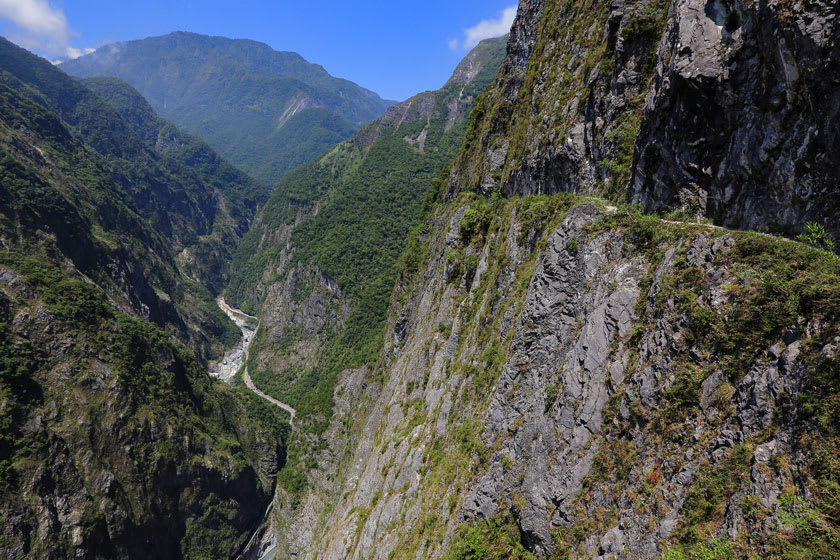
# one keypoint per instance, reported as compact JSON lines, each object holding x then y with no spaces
{"x":265,"y":111}
{"x":230,"y":197}
{"x":582,"y":355}
{"x":115,"y":442}
{"x":341,"y":221}
{"x":581,"y":302}
{"x":321,"y":259}
{"x":183,"y":189}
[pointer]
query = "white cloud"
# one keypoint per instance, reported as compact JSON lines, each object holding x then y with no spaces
{"x":489,"y":28}
{"x":73,"y":52}
{"x":453,"y":44}
{"x":39,"y":26}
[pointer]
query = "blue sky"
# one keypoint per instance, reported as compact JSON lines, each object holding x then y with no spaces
{"x":395,"y":48}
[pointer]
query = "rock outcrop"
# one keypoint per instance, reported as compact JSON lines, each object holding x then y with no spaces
{"x":588,"y":386}
{"x":726,"y":110}
{"x":743,"y":117}
{"x":562,"y":377}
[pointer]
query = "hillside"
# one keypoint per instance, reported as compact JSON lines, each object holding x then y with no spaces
{"x":115,"y":442}
{"x":582,"y":302}
{"x":265,"y":111}
{"x":230,"y":196}
{"x":368,"y":192}
{"x":184,"y":190}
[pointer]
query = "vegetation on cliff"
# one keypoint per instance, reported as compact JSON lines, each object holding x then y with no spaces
{"x":350,"y":214}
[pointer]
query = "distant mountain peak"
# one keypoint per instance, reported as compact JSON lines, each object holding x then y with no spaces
{"x":266,"y":111}
{"x":477,"y":59}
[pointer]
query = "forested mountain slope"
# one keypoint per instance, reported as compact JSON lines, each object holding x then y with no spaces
{"x":265,"y":111}
{"x":199,"y":211}
{"x":231,"y":196}
{"x":115,"y":442}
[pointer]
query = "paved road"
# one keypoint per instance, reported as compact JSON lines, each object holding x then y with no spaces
{"x":243,"y":320}
{"x":272,"y":400}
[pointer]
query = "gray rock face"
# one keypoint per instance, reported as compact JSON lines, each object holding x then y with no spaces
{"x":585,"y":75}
{"x":579,"y":303}
{"x":733,"y":109}
{"x":523,"y":36}
{"x":608,"y":404}
{"x":302,"y":309}
{"x":744,"y":115}
{"x":580,"y":428}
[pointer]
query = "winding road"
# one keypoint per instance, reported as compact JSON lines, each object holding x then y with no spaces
{"x":237,"y":357}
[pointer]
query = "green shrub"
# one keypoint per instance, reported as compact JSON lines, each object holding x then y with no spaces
{"x":489,"y":539}
{"x":816,"y":236}
{"x":475,"y":221}
{"x":710,"y":549}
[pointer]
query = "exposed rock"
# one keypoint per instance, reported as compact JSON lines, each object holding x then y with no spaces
{"x":743,"y":115}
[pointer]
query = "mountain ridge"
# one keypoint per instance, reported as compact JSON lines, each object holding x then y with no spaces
{"x":266,"y":111}
{"x":115,"y":442}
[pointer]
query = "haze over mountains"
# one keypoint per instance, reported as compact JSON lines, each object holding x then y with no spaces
{"x":265,"y":111}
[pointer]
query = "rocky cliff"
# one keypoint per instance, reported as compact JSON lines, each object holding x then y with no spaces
{"x":727,"y":110}
{"x":742,"y":116}
{"x":569,"y":377}
{"x":580,"y":380}
{"x":535,"y":369}
{"x":319,"y":266}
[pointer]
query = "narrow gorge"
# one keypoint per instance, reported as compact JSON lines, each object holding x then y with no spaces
{"x":580,"y":302}
{"x":236,"y":358}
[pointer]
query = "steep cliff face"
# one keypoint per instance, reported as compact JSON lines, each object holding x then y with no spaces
{"x":569,"y":377}
{"x":321,"y":259}
{"x":564,"y":111}
{"x":726,"y":110}
{"x":593,"y":382}
{"x":743,"y":115}
{"x":319,"y":266}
